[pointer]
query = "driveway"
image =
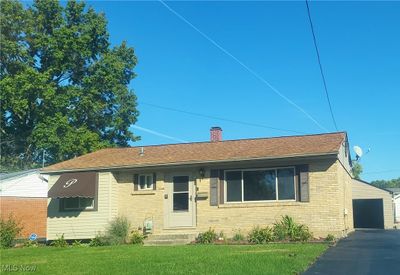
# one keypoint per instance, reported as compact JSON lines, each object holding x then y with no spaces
{"x":363,"y":252}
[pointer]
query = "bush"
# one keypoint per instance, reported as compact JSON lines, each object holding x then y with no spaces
{"x":259,"y":235}
{"x":77,"y":243}
{"x":136,"y":237}
{"x":9,"y":229}
{"x":330,"y":238}
{"x":238,"y":237}
{"x":99,"y":240}
{"x":118,"y":231}
{"x":207,"y":237}
{"x":288,"y":230}
{"x":60,"y":242}
{"x":29,"y":243}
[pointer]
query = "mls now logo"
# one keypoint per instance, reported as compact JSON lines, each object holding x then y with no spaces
{"x":70,"y":182}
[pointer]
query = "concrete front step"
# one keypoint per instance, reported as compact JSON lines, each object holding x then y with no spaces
{"x":170,"y":239}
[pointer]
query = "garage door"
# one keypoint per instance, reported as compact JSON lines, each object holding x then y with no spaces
{"x":368,"y":213}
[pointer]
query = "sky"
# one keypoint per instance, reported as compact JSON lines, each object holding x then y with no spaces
{"x":255,"y":62}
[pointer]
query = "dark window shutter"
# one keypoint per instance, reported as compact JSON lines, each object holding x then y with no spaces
{"x":214,"y":178}
{"x":304,"y":185}
{"x":154,"y":181}
{"x":135,"y":182}
{"x":221,"y":187}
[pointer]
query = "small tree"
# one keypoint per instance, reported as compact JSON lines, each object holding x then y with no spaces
{"x":9,"y":229}
{"x":357,"y":170}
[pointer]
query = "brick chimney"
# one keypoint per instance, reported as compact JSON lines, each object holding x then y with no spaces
{"x":215,"y":134}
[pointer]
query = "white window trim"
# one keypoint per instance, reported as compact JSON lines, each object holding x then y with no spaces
{"x":276,"y":185}
{"x":79,"y":207}
{"x":145,"y":185}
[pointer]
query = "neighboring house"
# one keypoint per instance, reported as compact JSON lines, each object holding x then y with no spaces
{"x":372,"y":206}
{"x":24,"y":196}
{"x":396,"y":202}
{"x":190,"y":187}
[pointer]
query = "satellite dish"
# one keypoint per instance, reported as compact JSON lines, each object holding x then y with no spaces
{"x":358,"y":151}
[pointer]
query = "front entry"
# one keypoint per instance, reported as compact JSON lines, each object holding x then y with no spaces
{"x":179,"y":201}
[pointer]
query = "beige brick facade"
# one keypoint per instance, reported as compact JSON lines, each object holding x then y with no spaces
{"x":329,"y":210}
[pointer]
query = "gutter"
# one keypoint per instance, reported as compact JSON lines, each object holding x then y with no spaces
{"x":173,"y":164}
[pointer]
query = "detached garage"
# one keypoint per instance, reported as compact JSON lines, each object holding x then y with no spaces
{"x":372,"y":206}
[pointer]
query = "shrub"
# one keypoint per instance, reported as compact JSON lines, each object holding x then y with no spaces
{"x":207,"y":237}
{"x":259,"y":235}
{"x":287,"y":229}
{"x":118,"y":231}
{"x":238,"y":237}
{"x":330,"y":238}
{"x":60,"y":242}
{"x":77,"y":243}
{"x":136,"y":237}
{"x":29,"y":243}
{"x":9,"y":229}
{"x":99,"y":240}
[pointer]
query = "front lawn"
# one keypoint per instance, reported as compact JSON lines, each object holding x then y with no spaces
{"x":194,"y":259}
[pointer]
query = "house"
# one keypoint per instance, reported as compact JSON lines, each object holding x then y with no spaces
{"x":372,"y":206}
{"x":396,"y":202}
{"x":190,"y":187}
{"x":24,"y":196}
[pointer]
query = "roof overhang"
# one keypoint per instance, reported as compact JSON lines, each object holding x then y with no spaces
{"x":192,"y":163}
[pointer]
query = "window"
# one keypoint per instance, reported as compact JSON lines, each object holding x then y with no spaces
{"x":260,"y":185}
{"x":77,"y":203}
{"x":146,"y":182}
{"x":181,"y":194}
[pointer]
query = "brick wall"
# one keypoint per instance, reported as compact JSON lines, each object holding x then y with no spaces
{"x":328,"y":212}
{"x":30,"y":212}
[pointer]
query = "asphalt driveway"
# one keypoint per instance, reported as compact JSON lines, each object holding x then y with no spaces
{"x":363,"y":252}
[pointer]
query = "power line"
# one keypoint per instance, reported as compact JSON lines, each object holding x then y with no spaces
{"x":254,"y":73}
{"x":320,"y":65}
{"x":221,"y":118}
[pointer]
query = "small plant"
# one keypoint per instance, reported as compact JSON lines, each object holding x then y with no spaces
{"x":60,"y":242}
{"x":118,"y":231}
{"x":30,"y":243}
{"x":260,"y":235}
{"x":238,"y":237}
{"x":99,"y":240}
{"x":77,"y":243}
{"x":221,"y":236}
{"x":207,"y":237}
{"x":330,"y":238}
{"x":136,"y":237}
{"x":9,"y":229}
{"x":288,"y":230}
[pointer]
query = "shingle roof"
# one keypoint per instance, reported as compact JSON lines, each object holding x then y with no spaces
{"x":203,"y":152}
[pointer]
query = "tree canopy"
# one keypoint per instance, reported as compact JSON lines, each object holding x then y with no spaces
{"x":64,"y":89}
{"x":357,"y":170}
{"x":393,"y":183}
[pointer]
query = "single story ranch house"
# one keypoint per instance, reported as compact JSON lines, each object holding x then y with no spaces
{"x":190,"y":187}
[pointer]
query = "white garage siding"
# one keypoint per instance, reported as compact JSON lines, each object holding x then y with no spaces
{"x":363,"y":190}
{"x":397,"y":208}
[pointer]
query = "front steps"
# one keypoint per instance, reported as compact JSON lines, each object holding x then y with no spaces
{"x":169,"y":239}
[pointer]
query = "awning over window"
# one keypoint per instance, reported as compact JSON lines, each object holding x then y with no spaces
{"x":70,"y":185}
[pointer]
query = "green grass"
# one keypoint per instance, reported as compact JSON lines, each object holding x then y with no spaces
{"x":192,"y":259}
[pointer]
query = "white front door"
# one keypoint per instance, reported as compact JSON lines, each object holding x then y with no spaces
{"x":179,"y":201}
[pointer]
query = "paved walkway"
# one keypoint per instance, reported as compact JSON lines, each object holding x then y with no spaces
{"x":364,"y":252}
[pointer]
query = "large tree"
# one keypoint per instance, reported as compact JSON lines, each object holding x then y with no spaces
{"x":64,"y":89}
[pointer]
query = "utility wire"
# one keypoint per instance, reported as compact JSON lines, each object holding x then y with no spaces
{"x":320,"y":65}
{"x":251,"y":71}
{"x":220,"y":118}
